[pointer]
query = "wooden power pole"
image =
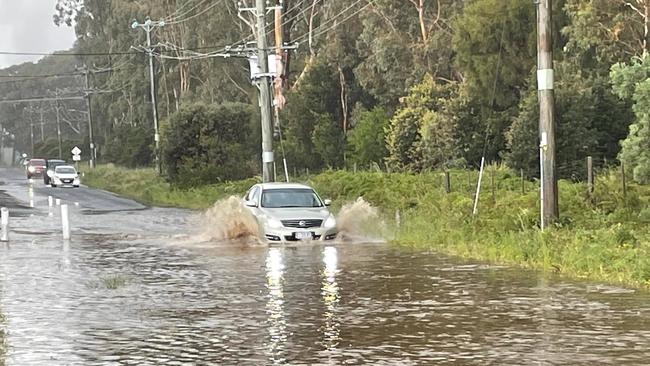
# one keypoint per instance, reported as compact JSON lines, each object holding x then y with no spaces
{"x":548,"y":181}
{"x":264,"y":83}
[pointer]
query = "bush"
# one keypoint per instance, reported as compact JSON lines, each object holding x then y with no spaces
{"x":205,"y":144}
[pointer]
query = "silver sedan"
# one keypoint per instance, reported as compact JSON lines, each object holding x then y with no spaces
{"x":287,"y":212}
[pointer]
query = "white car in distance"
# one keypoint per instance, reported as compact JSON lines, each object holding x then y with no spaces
{"x":287,"y":212}
{"x":65,"y":175}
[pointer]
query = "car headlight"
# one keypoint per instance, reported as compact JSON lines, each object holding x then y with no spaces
{"x":31,"y":169}
{"x":50,"y":173}
{"x":330,"y":222}
{"x":274,"y":223}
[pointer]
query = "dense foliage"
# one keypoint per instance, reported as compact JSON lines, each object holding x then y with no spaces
{"x":416,"y":85}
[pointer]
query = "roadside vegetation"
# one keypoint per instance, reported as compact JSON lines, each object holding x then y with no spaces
{"x":604,"y":237}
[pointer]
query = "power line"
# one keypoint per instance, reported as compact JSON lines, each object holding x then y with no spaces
{"x":78,"y":54}
{"x":317,"y":31}
{"x":178,"y":20}
{"x":176,"y":14}
{"x":40,"y":99}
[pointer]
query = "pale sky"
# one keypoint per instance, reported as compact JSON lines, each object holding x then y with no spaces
{"x":27,"y":26}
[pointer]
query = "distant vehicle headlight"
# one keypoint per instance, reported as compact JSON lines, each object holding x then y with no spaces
{"x":330,"y":222}
{"x":31,"y":169}
{"x":274,"y":223}
{"x":50,"y":173}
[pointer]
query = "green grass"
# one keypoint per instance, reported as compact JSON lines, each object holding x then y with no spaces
{"x":605,"y":237}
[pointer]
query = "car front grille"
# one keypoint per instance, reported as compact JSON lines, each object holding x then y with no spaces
{"x":66,"y":180}
{"x":302,"y":224}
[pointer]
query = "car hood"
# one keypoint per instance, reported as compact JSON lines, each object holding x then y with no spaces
{"x":319,"y":213}
{"x":65,"y":176}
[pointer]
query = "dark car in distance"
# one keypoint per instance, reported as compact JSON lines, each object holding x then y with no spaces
{"x":35,"y":168}
{"x":50,"y":164}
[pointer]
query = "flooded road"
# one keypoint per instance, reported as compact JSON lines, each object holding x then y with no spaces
{"x":138,"y":287}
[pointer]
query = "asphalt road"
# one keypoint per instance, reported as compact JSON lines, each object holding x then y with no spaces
{"x":22,"y":195}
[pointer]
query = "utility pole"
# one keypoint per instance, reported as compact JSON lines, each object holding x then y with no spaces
{"x":264,"y":85}
{"x":31,"y":136}
{"x":58,"y":124}
{"x":93,"y":155}
{"x":42,"y":125}
{"x":548,"y":179}
{"x":148,"y":26}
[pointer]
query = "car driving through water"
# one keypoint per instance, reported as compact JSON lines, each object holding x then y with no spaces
{"x":65,"y":175}
{"x":35,"y":168}
{"x":287,"y":212}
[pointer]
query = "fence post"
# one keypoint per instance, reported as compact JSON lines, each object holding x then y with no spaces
{"x":4,"y":229}
{"x":65,"y":222}
{"x":624,"y":182}
{"x":494,"y":196}
{"x":354,"y":168}
{"x":447,"y":181}
{"x":523,"y":182}
{"x":590,"y":176}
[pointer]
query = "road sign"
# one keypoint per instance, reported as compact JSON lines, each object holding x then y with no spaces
{"x":76,"y":157}
{"x":76,"y":151}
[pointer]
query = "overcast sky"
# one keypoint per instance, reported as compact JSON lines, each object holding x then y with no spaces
{"x":27,"y":26}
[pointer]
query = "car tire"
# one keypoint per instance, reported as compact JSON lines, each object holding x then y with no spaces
{"x":76,"y":186}
{"x":53,"y":185}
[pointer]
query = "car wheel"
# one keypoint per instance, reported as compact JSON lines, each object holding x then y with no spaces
{"x":53,"y":185}
{"x":76,"y":186}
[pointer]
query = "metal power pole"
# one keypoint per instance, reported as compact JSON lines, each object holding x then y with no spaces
{"x":548,"y":179}
{"x":58,"y":128}
{"x":31,"y":136}
{"x":148,"y":26}
{"x":42,"y":125}
{"x":264,"y":84}
{"x":90,"y":119}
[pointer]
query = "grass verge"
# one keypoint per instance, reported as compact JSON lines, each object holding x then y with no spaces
{"x":604,"y":237}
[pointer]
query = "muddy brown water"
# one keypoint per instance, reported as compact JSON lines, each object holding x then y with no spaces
{"x":143,"y":287}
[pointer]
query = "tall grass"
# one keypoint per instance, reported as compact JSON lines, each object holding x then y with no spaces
{"x":603,"y":237}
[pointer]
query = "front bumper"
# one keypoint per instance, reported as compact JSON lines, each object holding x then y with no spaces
{"x":65,"y":182}
{"x":292,"y":235}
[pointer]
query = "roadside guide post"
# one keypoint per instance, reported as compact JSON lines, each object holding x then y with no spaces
{"x":4,"y":233}
{"x":65,"y":222}
{"x":76,"y":157}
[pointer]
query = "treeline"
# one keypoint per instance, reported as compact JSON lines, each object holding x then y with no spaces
{"x":407,"y":85}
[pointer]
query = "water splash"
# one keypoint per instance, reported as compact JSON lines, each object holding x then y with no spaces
{"x":228,"y":220}
{"x":361,"y":221}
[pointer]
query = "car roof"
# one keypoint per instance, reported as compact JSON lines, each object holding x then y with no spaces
{"x":64,"y":166}
{"x":266,"y":186}
{"x":55,"y":161}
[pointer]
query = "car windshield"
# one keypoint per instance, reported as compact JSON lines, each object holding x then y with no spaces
{"x":37,"y":162}
{"x":65,"y":170}
{"x":290,"y":197}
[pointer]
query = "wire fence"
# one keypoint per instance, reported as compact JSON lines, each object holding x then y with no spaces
{"x":590,"y":171}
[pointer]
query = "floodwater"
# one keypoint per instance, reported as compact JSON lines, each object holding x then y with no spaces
{"x":143,"y":287}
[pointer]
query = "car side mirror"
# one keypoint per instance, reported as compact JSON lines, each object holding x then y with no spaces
{"x":250,"y":204}
{"x":327,"y":202}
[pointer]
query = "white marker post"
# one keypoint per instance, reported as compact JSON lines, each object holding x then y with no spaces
{"x":58,"y":202}
{"x":65,"y":222}
{"x":4,"y":223}
{"x":50,"y":201}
